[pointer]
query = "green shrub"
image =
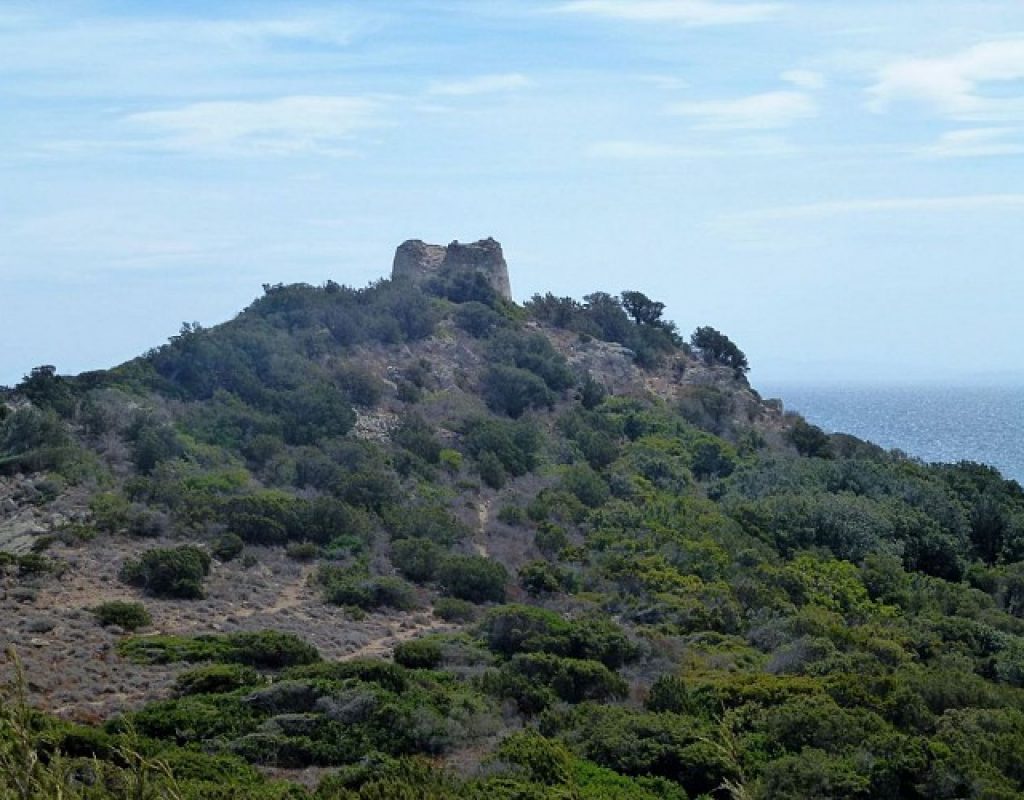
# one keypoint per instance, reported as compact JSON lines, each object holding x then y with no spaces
{"x":174,"y":572}
{"x":516,"y":444}
{"x":416,"y":436}
{"x":35,"y":564}
{"x":260,"y":649}
{"x":362,"y":386}
{"x":370,"y":593}
{"x":809,"y":440}
{"x":492,"y":471}
{"x":551,"y":539}
{"x":216,"y":679}
{"x":434,"y":522}
{"x":302,"y":551}
{"x":227,"y":547}
{"x":417,"y":559}
{"x":540,"y":577}
{"x":512,"y":391}
{"x":513,"y":515}
{"x":588,"y":487}
{"x":474,"y":578}
{"x":572,"y":680}
{"x":533,"y":353}
{"x":127,"y":615}
{"x":418,"y":654}
{"x":669,"y":694}
{"x":478,"y":319}
{"x":526,"y":629}
{"x":109,"y":511}
{"x":451,"y":609}
{"x":451,"y":460}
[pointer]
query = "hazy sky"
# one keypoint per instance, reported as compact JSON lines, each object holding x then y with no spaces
{"x":839,"y":186}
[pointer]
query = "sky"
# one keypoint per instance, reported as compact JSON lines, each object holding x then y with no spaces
{"x":837,"y":186}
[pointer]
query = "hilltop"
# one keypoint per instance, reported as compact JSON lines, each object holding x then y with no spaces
{"x":556,"y":549}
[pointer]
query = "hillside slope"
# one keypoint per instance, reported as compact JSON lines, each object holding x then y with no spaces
{"x":552,"y":547}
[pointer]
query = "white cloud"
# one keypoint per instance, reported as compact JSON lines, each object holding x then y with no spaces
{"x":760,"y":111}
{"x":625,"y":150}
{"x":481,"y":84}
{"x":804,"y":79}
{"x":977,"y":142}
{"x":133,"y":55}
{"x":954,"y":85}
{"x":283,"y":126}
{"x":667,"y":83}
{"x":631,"y":150}
{"x":694,"y":13}
{"x":883,"y":205}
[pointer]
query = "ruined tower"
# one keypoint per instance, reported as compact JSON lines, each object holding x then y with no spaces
{"x":418,"y":262}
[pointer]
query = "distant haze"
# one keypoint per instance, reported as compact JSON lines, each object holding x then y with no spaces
{"x":837,"y":186}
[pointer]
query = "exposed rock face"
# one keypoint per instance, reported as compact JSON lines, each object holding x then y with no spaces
{"x":418,"y":262}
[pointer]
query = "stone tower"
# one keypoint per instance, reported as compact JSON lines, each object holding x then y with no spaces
{"x":418,"y":262}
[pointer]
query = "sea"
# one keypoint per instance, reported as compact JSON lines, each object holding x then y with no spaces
{"x":933,"y":423}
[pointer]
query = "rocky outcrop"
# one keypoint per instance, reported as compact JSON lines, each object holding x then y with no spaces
{"x":420,"y":262}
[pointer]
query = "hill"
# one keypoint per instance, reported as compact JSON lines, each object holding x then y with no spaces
{"x":416,"y":540}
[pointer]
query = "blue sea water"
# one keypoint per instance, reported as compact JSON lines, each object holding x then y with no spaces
{"x":930,"y":422}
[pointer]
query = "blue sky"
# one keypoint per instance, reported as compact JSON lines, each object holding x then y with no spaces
{"x":838,"y":186}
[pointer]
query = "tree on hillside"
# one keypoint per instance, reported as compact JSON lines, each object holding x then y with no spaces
{"x":717,"y":348}
{"x":48,"y":390}
{"x":642,"y":309}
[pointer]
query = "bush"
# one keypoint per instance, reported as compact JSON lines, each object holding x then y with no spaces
{"x":512,"y":391}
{"x":36,"y":564}
{"x":260,"y":649}
{"x":513,"y":515}
{"x":540,"y":577}
{"x":433,"y":522}
{"x":362,"y":386}
{"x":474,"y":578}
{"x":109,"y":512}
{"x":492,"y":472}
{"x":127,"y":615}
{"x":478,"y":319}
{"x":809,"y":440}
{"x":534,"y":353}
{"x":370,"y":593}
{"x":227,"y":547}
{"x":516,"y":444}
{"x":418,"y":654}
{"x":216,"y":679}
{"x":526,"y":629}
{"x":175,"y":572}
{"x":416,"y":436}
{"x":588,"y":487}
{"x":451,"y":460}
{"x":717,"y":348}
{"x":417,"y":559}
{"x":551,"y":539}
{"x":451,"y":609}
{"x":302,"y":551}
{"x":572,"y":680}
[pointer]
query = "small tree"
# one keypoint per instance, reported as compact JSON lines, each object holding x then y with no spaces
{"x":46,"y":389}
{"x":474,"y":578}
{"x":641,"y":308}
{"x":174,"y":572}
{"x":125,"y":614}
{"x":717,"y":348}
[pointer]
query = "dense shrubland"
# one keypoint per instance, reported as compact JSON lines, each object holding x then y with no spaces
{"x":686,"y":602}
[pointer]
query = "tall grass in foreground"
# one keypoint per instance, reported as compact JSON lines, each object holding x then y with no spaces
{"x":32,"y":769}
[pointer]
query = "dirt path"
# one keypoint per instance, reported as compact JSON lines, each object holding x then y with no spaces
{"x":291,"y":596}
{"x":483,"y":511}
{"x":384,"y":645}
